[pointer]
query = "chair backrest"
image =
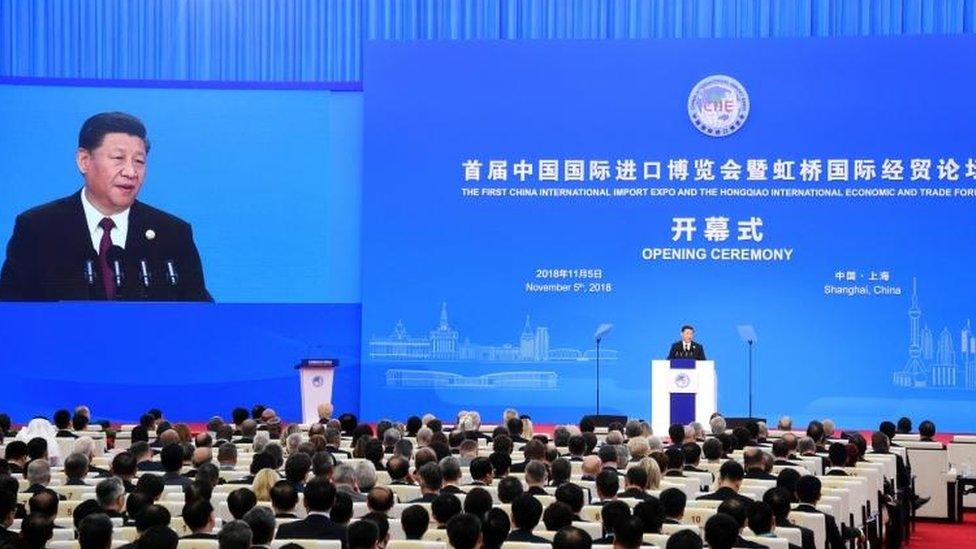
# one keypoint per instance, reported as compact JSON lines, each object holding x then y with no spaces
{"x":525,"y":545}
{"x":198,"y":544}
{"x":433,"y":534}
{"x":656,"y":539}
{"x":698,"y":516}
{"x":673,"y":528}
{"x":590,"y":513}
{"x":308,"y":543}
{"x":793,"y":535}
{"x":410,"y":544}
{"x":813,"y":521}
{"x":771,"y":543}
{"x":594,"y":529}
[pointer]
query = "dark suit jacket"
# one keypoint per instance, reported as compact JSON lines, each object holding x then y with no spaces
{"x":64,"y":433}
{"x":200,"y":536}
{"x":50,"y":244}
{"x":760,"y":475}
{"x":725,"y":493}
{"x":312,"y":527}
{"x":528,"y":537}
{"x":451,"y":489}
{"x":426,"y":498}
{"x":697,"y":352}
{"x":634,"y":493}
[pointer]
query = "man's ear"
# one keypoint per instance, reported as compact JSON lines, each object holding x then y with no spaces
{"x":83,"y":160}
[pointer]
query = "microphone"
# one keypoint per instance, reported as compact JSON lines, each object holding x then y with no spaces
{"x":144,"y":272}
{"x":602,"y":330}
{"x":115,"y":254}
{"x":171,"y":273}
{"x":90,"y":272}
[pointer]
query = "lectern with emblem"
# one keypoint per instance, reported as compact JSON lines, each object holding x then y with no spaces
{"x":316,"y":385}
{"x":682,"y":390}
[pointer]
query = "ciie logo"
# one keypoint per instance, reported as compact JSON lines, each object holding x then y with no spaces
{"x":317,"y":381}
{"x":718,"y":105}
{"x":682,"y":380}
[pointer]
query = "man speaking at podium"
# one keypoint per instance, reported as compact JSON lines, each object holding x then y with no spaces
{"x":687,"y":347}
{"x":101,"y":243}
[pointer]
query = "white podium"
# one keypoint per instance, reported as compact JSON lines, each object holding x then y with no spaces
{"x":682,"y":391}
{"x":316,"y":385}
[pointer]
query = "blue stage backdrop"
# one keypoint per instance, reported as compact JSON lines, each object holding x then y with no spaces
{"x":517,"y":195}
{"x":192,"y":360}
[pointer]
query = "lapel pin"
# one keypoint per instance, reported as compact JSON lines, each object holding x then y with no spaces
{"x":150,"y":234}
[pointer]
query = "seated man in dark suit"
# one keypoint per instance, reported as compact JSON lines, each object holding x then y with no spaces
{"x":730,"y":477}
{"x":752,"y":459}
{"x":431,"y":480}
{"x":526,"y":512}
{"x":635,"y":484}
{"x":16,"y":455}
{"x":610,"y":515}
{"x":926,"y":432}
{"x":38,"y":476}
{"x":837,"y":454}
{"x":781,"y":453}
{"x":571,"y":494}
{"x":199,"y":518}
{"x":464,"y":532}
{"x":536,"y":477}
{"x":762,"y":522}
{"x":676,"y":462}
{"x":284,"y":499}
{"x":443,"y":508}
{"x":62,"y":421}
{"x":262,"y":522}
{"x":607,"y":486}
{"x":740,"y":512}
{"x":687,"y":347}
{"x":673,"y":503}
{"x":44,"y":502}
{"x":319,"y":497}
{"x":67,"y":249}
{"x":693,"y":453}
{"x":480,"y":471}
{"x":75,"y":469}
{"x":8,"y":506}
{"x":172,"y":460}
{"x":808,"y":492}
{"x":110,"y":495}
{"x":779,"y":501}
{"x":143,"y":456}
{"x":628,"y":533}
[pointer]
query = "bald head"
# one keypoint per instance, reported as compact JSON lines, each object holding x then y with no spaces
{"x":169,"y":436}
{"x":201,"y":456}
{"x":592,"y":465}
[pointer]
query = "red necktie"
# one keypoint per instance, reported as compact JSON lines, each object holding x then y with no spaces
{"x":108,"y":275}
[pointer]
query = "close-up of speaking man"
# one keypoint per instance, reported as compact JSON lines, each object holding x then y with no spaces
{"x":101,"y":243}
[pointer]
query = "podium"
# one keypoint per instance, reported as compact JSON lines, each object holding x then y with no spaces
{"x":682,"y":391}
{"x":316,"y":385}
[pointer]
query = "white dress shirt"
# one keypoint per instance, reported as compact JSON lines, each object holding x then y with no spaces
{"x":94,"y":217}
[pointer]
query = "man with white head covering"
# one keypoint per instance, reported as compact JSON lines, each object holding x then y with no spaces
{"x":40,"y":427}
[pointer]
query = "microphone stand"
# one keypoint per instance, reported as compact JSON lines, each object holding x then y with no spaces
{"x":750,"y":342}
{"x":598,"y":375}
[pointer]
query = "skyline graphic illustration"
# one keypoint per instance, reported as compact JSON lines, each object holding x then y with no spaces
{"x":933,"y":364}
{"x":443,"y":344}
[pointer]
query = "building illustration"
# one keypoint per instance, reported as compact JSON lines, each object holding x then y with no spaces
{"x":443,"y":345}
{"x":934,"y":362}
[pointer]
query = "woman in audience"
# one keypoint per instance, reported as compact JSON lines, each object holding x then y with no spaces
{"x":263,"y":482}
{"x":653,"y":472}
